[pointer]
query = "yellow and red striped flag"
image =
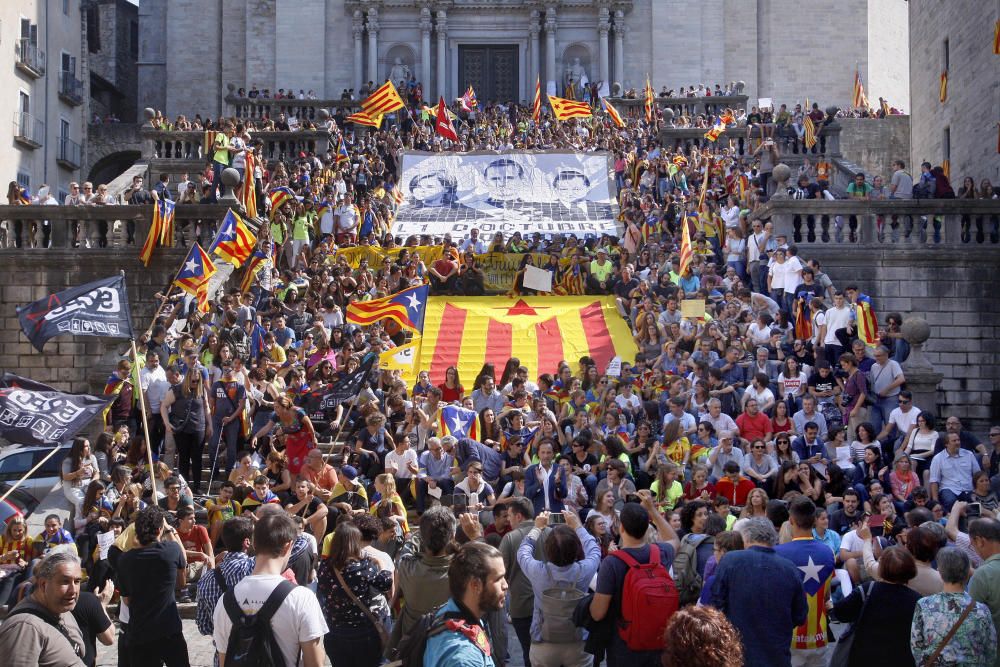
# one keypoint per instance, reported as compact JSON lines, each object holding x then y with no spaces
{"x":152,"y":237}
{"x":407,"y":308}
{"x":943,"y":92}
{"x":467,"y":332}
{"x":383,"y":100}
{"x":164,"y":210}
{"x":565,"y":109}
{"x":687,"y":250}
{"x":859,"y":101}
{"x":810,"y":128}
{"x":612,"y":113}
{"x":247,"y":195}
{"x":364,"y":118}
{"x":235,"y":240}
{"x":996,"y":38}
{"x":536,"y":107}
{"x":649,"y":101}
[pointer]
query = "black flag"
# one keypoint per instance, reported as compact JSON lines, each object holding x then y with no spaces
{"x":348,"y":387}
{"x":32,"y":413}
{"x":99,"y":308}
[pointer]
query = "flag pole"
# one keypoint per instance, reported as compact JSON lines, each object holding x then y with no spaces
{"x":142,"y":411}
{"x":28,"y":474}
{"x":343,"y":422}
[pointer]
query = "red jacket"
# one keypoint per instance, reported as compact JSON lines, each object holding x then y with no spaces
{"x":736,"y":494}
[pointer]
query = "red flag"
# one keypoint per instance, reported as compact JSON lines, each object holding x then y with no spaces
{"x":443,"y":124}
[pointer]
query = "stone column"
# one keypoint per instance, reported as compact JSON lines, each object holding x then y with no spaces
{"x":442,"y":53}
{"x":373,"y":47}
{"x":550,"y":46}
{"x":603,"y":26}
{"x":620,"y":30}
{"x":425,"y":51}
{"x":534,"y":28}
{"x":358,"y":28}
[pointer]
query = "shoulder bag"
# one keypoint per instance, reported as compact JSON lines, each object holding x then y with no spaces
{"x":842,"y":652}
{"x":379,"y":626}
{"x":951,"y":633}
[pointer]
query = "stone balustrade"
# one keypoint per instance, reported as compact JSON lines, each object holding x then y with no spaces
{"x":75,"y":224}
{"x":681,"y":106}
{"x":903,"y":222}
{"x":676,"y":138}
{"x":259,"y":108}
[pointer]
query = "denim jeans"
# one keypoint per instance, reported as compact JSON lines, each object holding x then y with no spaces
{"x":353,"y":647}
{"x":881,"y":410}
{"x":948,"y":498}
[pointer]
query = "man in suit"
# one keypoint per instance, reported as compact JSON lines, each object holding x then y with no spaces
{"x":543,"y":479}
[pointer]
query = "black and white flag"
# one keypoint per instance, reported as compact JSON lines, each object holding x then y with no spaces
{"x":32,"y":413}
{"x":99,"y":308}
{"x":346,"y":388}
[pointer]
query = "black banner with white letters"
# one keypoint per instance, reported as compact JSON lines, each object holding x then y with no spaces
{"x":349,"y":386}
{"x":32,"y":413}
{"x":99,"y":308}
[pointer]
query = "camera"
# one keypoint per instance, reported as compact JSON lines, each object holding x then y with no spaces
{"x":556,"y":518}
{"x":633,"y":498}
{"x":973,"y":510}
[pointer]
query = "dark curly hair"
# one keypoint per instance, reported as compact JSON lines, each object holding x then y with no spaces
{"x":701,"y":637}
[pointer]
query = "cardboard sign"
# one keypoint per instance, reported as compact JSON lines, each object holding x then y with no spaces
{"x":537,"y":279}
{"x":693,"y":309}
{"x":765,"y":103}
{"x":614,"y":367}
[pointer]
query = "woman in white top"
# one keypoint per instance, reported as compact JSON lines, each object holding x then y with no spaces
{"x":840,"y":452}
{"x":605,"y":508}
{"x":79,"y":469}
{"x":792,"y":382}
{"x":920,"y":444}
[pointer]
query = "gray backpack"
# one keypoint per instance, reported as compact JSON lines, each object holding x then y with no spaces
{"x":558,"y":604}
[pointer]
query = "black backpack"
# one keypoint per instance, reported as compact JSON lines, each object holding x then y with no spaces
{"x":251,"y":640}
{"x":410,"y":651}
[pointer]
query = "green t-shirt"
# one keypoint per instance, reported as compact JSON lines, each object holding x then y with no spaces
{"x":278,"y":232}
{"x":668,"y":500}
{"x":859,"y":192}
{"x":221,"y":145}
{"x":600,"y":272}
{"x":300,"y":228}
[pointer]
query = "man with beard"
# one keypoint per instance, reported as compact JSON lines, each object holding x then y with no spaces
{"x":478,"y":586}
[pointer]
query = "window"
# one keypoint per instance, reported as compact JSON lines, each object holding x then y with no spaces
{"x":63,"y":129}
{"x":68,"y":63}
{"x":93,"y":30}
{"x":66,"y":7}
{"x":24,"y":102}
{"x":946,"y":55}
{"x":946,"y":144}
{"x":133,"y":42}
{"x":14,"y":466}
{"x":29,"y":31}
{"x":24,"y":180}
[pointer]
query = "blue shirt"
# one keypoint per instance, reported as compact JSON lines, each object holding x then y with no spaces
{"x":954,"y":472}
{"x":545,"y":575}
{"x":446,"y":649}
{"x":436,"y":468}
{"x":766,"y":621}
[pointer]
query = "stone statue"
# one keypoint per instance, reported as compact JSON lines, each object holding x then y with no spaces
{"x":576,"y":74}
{"x":400,"y":73}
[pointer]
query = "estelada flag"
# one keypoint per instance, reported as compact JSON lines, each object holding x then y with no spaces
{"x":383,"y":100}
{"x":235,"y":240}
{"x":458,"y":422}
{"x":565,"y":109}
{"x":443,"y":124}
{"x":406,"y":308}
{"x":342,"y":155}
{"x":278,"y":197}
{"x":467,"y":332}
{"x":164,"y":210}
{"x":612,"y":113}
{"x":867,"y":321}
{"x":194,"y":275}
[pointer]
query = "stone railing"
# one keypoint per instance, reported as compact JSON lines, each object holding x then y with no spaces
{"x":258,"y":108}
{"x":88,"y":225}
{"x":904,"y":222}
{"x":186,"y":151}
{"x":681,"y":106}
{"x":676,"y":138}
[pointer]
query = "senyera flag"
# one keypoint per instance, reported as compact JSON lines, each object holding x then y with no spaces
{"x":32,"y":413}
{"x":406,"y":308}
{"x":99,"y":308}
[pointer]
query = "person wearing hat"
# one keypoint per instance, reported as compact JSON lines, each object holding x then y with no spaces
{"x":600,"y":272}
{"x":348,"y":495}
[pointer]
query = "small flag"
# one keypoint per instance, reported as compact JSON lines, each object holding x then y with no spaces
{"x":469,"y":101}
{"x":406,"y":308}
{"x":810,"y":128}
{"x":383,"y":100}
{"x":348,"y":387}
{"x":649,"y":100}
{"x":365,"y":118}
{"x":397,"y":195}
{"x":402,"y":359}
{"x":152,"y":237}
{"x":235,"y":241}
{"x":943,"y":93}
{"x":866,"y":320}
{"x":278,"y":197}
{"x":248,"y":194}
{"x":443,"y":125}
{"x":257,"y":261}
{"x":565,"y":109}
{"x":342,"y":155}
{"x":536,"y":106}
{"x":164,"y":209}
{"x":99,"y":308}
{"x":194,"y":275}
{"x":687,"y":250}
{"x":859,"y":101}
{"x":716,"y":131}
{"x":459,"y":422}
{"x":612,"y":113}
{"x":24,"y":196}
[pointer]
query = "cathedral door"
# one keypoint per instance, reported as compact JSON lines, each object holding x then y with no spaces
{"x":492,"y":70}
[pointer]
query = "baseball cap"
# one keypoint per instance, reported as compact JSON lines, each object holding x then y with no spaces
{"x":349,"y":472}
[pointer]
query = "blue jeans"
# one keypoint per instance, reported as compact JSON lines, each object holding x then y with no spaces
{"x":217,"y":169}
{"x":353,"y":647}
{"x":231,"y":434}
{"x":947,"y":497}
{"x":881,"y":409}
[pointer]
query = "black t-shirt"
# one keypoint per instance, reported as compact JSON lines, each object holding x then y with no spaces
{"x":311,"y":508}
{"x":822,"y":384}
{"x":588,"y":464}
{"x":90,"y":616}
{"x":148,"y":577}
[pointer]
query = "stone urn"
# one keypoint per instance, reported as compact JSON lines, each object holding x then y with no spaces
{"x":916,"y":331}
{"x":230,"y":181}
{"x":781,"y":174}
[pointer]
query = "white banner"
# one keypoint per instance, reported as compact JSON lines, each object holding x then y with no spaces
{"x":550,"y":192}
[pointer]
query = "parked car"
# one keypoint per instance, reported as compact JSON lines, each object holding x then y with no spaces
{"x":19,"y":502}
{"x":16,"y":460}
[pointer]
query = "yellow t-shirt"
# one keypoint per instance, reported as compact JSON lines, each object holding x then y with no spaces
{"x":221,"y":145}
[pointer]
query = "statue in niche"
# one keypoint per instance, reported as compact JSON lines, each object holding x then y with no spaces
{"x":576,"y":78}
{"x":399,"y":74}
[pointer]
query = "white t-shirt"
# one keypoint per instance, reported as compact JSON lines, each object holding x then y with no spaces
{"x":401,"y":461}
{"x":298,"y":620}
{"x":904,"y":420}
{"x":836,"y":318}
{"x":348,"y":219}
{"x":792,"y":385}
{"x":793,"y":273}
{"x":851,"y":541}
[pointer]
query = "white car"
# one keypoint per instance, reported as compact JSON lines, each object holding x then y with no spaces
{"x":16,"y":460}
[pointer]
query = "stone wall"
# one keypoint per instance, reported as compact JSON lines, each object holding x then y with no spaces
{"x":875,"y":143}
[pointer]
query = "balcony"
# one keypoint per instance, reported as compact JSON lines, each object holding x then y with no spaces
{"x":70,"y":89}
{"x":29,"y":58}
{"x":69,"y":153}
{"x":28,"y":130}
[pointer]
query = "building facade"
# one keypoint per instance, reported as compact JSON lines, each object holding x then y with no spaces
{"x":42,"y":117}
{"x":964,"y":129}
{"x":775,"y":47}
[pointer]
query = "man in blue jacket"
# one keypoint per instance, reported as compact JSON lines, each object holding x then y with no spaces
{"x":544,"y":482}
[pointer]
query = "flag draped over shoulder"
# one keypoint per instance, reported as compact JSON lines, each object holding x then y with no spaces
{"x":32,"y":413}
{"x":235,"y":240}
{"x":406,"y":308}
{"x":383,"y":100}
{"x":536,"y":106}
{"x":564,"y":109}
{"x":458,"y":422}
{"x":867,"y":321}
{"x":612,"y":113}
{"x":99,"y":308}
{"x":194,"y":275}
{"x":803,"y":318}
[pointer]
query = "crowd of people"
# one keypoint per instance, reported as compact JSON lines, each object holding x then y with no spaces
{"x":771,"y":435}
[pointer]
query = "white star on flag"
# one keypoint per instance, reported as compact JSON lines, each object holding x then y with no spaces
{"x":414,"y":302}
{"x":457,"y":425}
{"x":228,"y":233}
{"x":811,"y":571}
{"x":191,"y":266}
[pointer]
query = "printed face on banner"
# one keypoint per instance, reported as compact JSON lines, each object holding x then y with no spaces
{"x":563,"y":193}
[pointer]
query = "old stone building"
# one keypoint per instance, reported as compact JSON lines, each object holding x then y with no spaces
{"x":191,"y":50}
{"x":962,"y":129}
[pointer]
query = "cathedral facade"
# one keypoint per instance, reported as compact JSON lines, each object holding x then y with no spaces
{"x":193,"y":50}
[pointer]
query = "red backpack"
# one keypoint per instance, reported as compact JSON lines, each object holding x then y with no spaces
{"x":649,"y":599}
